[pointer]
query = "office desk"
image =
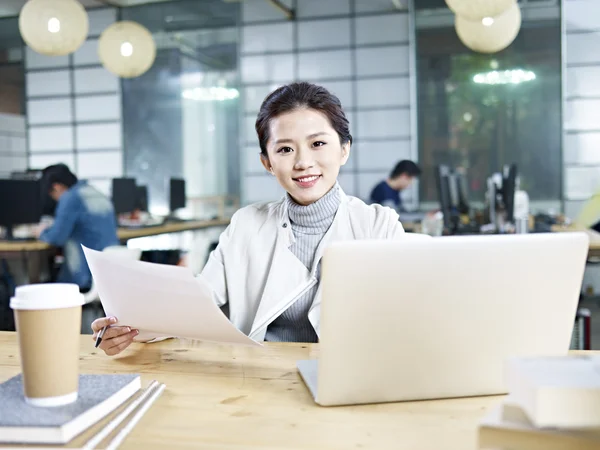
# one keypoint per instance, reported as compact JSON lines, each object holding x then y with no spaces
{"x":172,"y":227}
{"x":221,"y":397}
{"x":22,"y":246}
{"x":124,"y":234}
{"x":594,"y":236}
{"x":32,"y":253}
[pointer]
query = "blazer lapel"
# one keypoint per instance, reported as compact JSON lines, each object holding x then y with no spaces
{"x":287,"y":277}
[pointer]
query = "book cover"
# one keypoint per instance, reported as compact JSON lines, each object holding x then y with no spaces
{"x":507,"y":426}
{"x":98,"y":396}
{"x":557,"y":391}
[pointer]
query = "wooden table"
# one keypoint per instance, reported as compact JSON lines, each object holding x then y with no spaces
{"x":226,"y":397}
{"x":172,"y":227}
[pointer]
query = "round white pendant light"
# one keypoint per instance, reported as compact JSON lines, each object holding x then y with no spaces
{"x":489,"y":35}
{"x":478,"y":9}
{"x":127,"y":49}
{"x":53,"y":27}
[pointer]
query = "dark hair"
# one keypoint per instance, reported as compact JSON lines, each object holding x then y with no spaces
{"x":57,"y":173}
{"x":405,"y":167}
{"x":301,"y":95}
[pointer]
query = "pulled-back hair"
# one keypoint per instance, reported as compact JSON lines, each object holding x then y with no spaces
{"x":57,"y":173}
{"x":301,"y":95}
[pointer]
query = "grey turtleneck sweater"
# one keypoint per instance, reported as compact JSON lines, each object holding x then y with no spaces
{"x":309,"y":225}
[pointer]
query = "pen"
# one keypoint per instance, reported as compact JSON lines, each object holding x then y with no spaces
{"x":99,"y":338}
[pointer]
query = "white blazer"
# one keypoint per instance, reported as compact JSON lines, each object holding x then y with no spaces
{"x":256,"y":274}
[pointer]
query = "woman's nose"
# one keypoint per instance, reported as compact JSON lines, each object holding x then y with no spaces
{"x":304,"y":159}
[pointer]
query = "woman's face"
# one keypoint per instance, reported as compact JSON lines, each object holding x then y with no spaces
{"x":305,"y":154}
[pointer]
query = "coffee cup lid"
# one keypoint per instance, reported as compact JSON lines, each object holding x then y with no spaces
{"x":47,"y":296}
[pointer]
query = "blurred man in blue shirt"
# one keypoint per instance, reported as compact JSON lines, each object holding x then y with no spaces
{"x":83,"y":216}
{"x":387,"y":193}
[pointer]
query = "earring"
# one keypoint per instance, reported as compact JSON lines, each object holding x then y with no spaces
{"x":271,"y":170}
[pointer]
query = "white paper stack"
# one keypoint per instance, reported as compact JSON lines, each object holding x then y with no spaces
{"x":160,"y":300}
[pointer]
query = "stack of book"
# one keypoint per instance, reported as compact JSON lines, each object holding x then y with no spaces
{"x":554,"y":404}
{"x":107,"y":408}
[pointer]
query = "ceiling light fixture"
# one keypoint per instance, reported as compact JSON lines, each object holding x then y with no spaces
{"x":53,"y":27}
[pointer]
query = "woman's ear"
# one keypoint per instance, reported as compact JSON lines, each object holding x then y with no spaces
{"x":346,"y":152}
{"x":266,"y":163}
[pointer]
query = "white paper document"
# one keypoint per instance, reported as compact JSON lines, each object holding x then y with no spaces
{"x":159,"y":299}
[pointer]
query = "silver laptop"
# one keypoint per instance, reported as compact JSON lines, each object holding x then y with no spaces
{"x":436,"y":318}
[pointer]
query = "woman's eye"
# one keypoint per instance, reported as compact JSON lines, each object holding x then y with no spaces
{"x":318,"y":143}
{"x":284,"y":150}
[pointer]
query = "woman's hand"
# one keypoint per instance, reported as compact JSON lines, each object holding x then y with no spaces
{"x":115,"y":339}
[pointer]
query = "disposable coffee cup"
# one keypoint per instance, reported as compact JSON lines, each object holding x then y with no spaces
{"x":48,"y":320}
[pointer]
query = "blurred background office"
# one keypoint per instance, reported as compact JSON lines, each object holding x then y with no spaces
{"x":170,"y":112}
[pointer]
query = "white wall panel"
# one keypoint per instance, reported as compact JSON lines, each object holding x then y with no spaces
{"x":267,"y":68}
{"x":87,"y":53}
{"x":582,"y":114}
{"x":41,"y":160}
{"x":34,"y":60}
{"x":260,"y":11}
{"x":50,"y":139}
{"x":100,"y":19}
{"x":261,"y":188}
{"x":268,"y":38}
{"x":382,"y":61}
{"x":100,"y":164}
{"x":48,"y":83}
{"x":581,"y":15}
{"x":381,"y":155}
{"x":99,"y":136}
{"x":383,"y":29}
{"x":320,"y":8}
{"x":49,"y":111}
{"x":582,"y":148}
{"x":324,"y":33}
{"x":383,"y":124}
{"x":92,"y":80}
{"x":100,"y":107}
{"x":578,"y":48}
{"x":383,"y":92}
{"x":324,"y":65}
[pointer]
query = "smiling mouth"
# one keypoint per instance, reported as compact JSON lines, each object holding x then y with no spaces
{"x":307,"y":179}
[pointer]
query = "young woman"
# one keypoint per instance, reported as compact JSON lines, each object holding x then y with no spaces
{"x":267,"y":265}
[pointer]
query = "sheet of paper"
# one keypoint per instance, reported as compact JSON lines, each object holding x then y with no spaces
{"x":160,"y":299}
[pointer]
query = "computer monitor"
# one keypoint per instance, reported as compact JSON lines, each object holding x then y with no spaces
{"x":29,"y":174}
{"x":176,"y":194}
{"x":124,"y":193}
{"x":462,"y":188}
{"x":509,"y":181}
{"x":141,"y":198}
{"x":20,"y":203}
{"x":48,"y":203}
{"x":442,"y":178}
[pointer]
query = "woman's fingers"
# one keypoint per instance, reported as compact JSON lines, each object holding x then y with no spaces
{"x":113,"y":332}
{"x":119,"y":348}
{"x":102,"y":322}
{"x":117,"y":344}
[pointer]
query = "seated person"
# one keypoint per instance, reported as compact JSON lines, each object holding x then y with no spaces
{"x":387,"y":193}
{"x":589,"y":216}
{"x":83,"y":216}
{"x":267,"y":265}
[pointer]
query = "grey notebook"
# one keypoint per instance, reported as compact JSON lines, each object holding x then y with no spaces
{"x":99,"y":395}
